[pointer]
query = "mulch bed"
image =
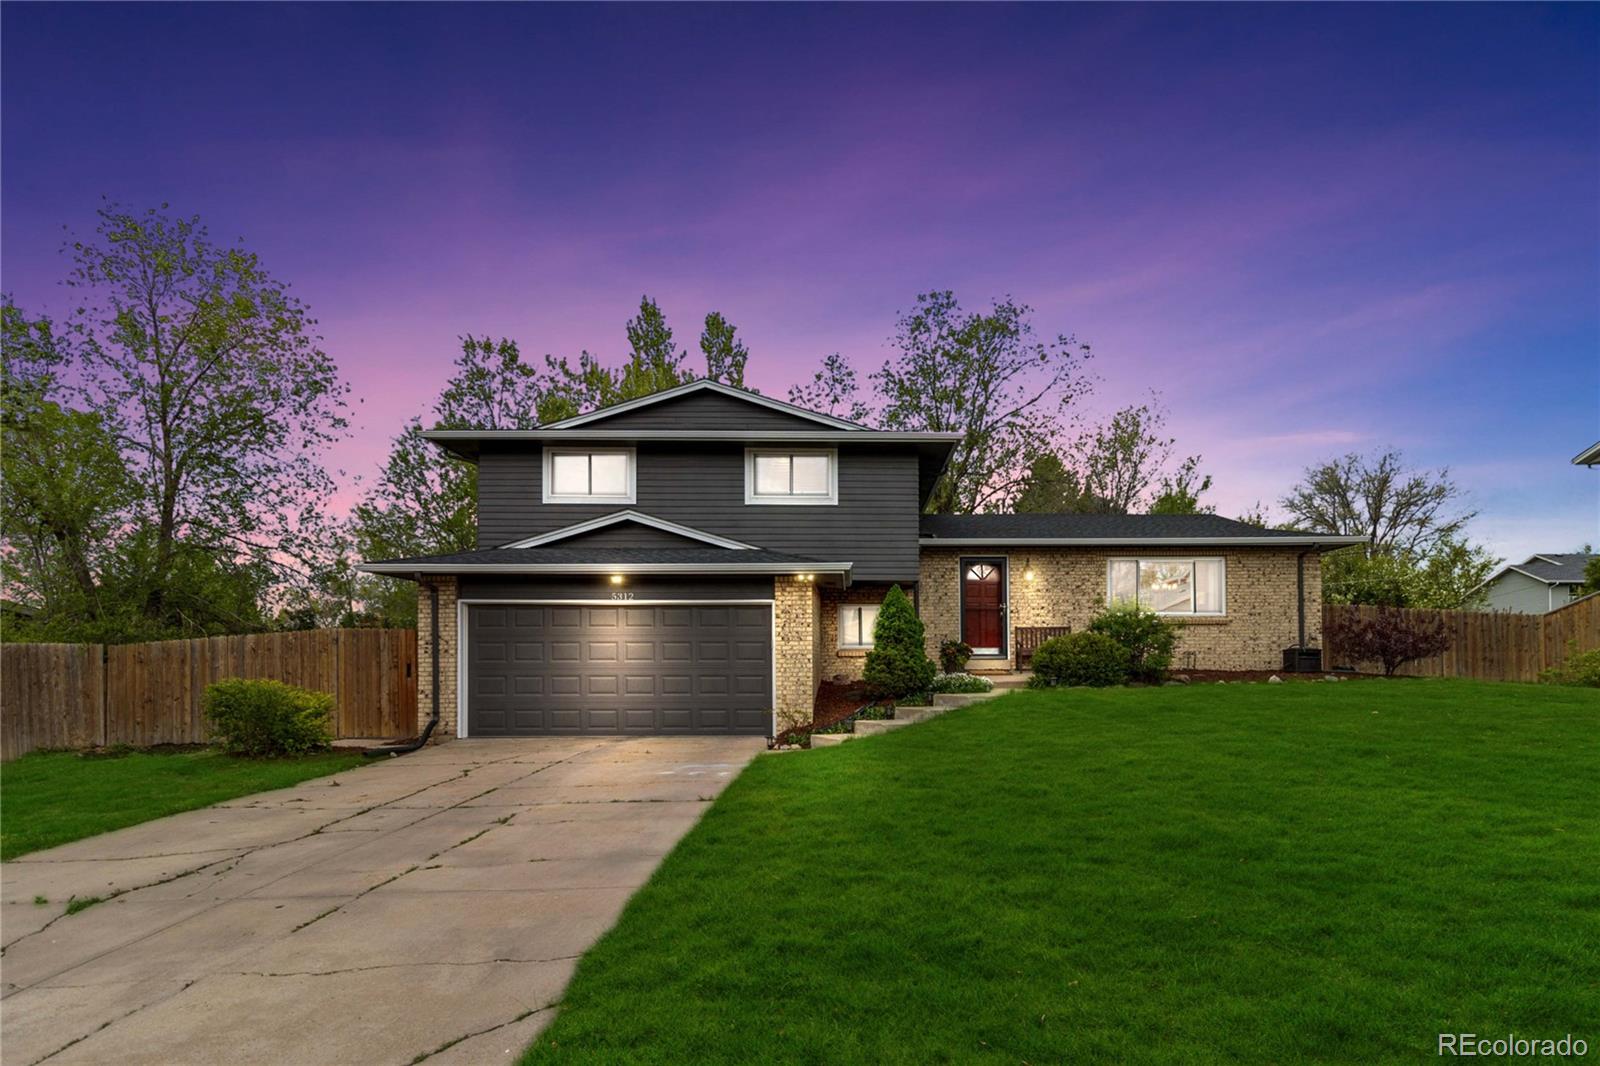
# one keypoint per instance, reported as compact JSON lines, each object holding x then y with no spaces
{"x":1203,"y":676}
{"x":835,"y":701}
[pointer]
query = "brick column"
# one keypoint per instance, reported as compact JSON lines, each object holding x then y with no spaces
{"x":794,"y":623}
{"x":447,"y":656}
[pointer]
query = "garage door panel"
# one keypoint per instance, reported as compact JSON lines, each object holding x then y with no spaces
{"x":620,"y":670}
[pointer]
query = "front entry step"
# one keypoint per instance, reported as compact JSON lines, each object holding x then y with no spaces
{"x":906,"y":714}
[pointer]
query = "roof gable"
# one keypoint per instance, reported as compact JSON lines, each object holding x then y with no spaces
{"x":630,"y":529}
{"x":704,"y":404}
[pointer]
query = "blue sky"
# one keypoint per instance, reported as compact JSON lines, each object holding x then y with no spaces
{"x":1313,"y":229}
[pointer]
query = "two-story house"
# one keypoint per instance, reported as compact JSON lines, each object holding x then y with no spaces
{"x":700,"y":560}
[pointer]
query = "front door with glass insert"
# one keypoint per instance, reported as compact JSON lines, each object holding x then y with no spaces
{"x":983,"y":605}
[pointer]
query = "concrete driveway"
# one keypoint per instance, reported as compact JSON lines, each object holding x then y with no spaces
{"x":427,"y":907}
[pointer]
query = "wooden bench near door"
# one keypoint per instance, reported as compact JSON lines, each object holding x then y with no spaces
{"x":1028,"y":638}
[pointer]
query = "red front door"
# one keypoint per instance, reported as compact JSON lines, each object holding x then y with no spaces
{"x":983,"y":605}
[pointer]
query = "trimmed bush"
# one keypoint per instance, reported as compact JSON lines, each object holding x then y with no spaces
{"x":1148,"y":637}
{"x":956,"y":682}
{"x":1080,"y":659}
{"x":266,"y":718}
{"x":953,"y":656}
{"x":1579,"y":668}
{"x":897,"y":666}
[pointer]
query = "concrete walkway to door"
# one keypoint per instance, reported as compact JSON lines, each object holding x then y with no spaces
{"x":430,"y":906}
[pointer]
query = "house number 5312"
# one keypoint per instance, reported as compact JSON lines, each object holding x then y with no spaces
{"x":622,"y":595}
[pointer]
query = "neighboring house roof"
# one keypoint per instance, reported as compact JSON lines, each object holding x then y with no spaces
{"x":1590,"y":456}
{"x":1553,"y":568}
{"x":703,"y":385}
{"x":607,"y":561}
{"x":1140,"y":529}
{"x":580,"y":528}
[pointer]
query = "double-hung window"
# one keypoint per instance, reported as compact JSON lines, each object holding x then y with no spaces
{"x":1169,"y":586}
{"x":856,"y":622}
{"x":790,"y":476}
{"x":589,"y":475}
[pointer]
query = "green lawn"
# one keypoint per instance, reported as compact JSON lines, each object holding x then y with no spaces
{"x":1262,"y":873}
{"x":53,"y":797}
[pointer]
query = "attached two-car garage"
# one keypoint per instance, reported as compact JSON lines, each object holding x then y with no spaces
{"x":618,"y":668}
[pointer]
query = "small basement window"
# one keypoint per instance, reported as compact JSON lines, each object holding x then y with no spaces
{"x":1169,"y":586}
{"x":856,"y":622}
{"x":788,"y":476}
{"x":589,"y":475}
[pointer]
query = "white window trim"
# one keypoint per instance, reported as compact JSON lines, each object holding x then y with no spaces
{"x":633,"y":475}
{"x":1142,"y":559}
{"x":839,"y":641}
{"x":753,"y":499}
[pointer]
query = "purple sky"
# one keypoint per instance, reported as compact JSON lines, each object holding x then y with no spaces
{"x":1314,"y":229}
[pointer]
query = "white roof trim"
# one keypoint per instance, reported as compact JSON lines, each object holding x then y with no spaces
{"x":701,"y":385}
{"x":407,"y":569}
{"x":580,"y":528}
{"x":1165,"y":542}
{"x":1590,"y":456}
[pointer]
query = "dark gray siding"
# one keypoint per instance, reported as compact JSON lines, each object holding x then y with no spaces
{"x":874,"y":525}
{"x":705,"y":410}
{"x":628,"y":535}
{"x":596,"y":587}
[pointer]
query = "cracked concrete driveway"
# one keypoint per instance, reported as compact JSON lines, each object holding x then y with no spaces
{"x":430,"y":906}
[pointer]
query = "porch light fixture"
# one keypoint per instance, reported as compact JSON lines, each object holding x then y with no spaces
{"x":1027,"y":570}
{"x":616,"y":579}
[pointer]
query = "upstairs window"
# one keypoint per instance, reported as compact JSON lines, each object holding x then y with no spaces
{"x":788,"y":476}
{"x":1169,"y":586}
{"x":856,"y":622}
{"x":589,"y":475}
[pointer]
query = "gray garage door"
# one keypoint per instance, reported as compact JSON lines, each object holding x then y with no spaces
{"x":689,"y":668}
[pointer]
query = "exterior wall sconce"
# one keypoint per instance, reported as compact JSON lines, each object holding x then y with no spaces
{"x":616,"y":579}
{"x":1027,"y":569}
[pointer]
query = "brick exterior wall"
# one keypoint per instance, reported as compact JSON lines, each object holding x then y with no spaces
{"x":1069,"y":587}
{"x":794,"y":652}
{"x":835,"y":663}
{"x":446,"y":729}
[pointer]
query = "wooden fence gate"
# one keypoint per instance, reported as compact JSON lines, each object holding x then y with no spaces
{"x":88,"y":695}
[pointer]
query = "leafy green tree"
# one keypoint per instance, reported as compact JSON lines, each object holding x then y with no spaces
{"x":983,"y":375}
{"x":725,"y":354}
{"x":1050,"y":487}
{"x":1180,"y":491}
{"x":1403,"y":510}
{"x":206,"y":378}
{"x":1125,"y":463}
{"x":832,"y":391}
{"x":1447,"y":578}
{"x":654,"y":362}
{"x":898,"y":664}
{"x":1591,"y":577}
{"x":425,"y":502}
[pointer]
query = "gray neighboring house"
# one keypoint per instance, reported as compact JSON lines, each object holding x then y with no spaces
{"x":1539,"y":585}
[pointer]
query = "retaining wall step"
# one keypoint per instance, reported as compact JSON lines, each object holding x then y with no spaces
{"x":880,"y":726}
{"x":828,"y":740}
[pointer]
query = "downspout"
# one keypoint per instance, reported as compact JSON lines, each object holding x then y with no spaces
{"x":433,"y":716}
{"x":1300,"y":595}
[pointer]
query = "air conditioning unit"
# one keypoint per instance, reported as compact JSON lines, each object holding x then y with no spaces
{"x":1302,"y":660}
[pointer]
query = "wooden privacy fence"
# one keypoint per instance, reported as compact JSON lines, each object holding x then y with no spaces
{"x":1489,"y":645}
{"x":88,"y":695}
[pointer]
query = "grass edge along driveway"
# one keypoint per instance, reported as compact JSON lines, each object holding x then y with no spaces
{"x":1268,"y":873}
{"x":48,"y":798}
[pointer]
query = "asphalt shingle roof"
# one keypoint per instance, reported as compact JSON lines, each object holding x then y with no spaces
{"x":1564,"y":567}
{"x":602,"y":556}
{"x":1093,"y":526}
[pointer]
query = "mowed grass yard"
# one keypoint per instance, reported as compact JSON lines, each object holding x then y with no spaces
{"x":1260,"y":873}
{"x":55,"y":797}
